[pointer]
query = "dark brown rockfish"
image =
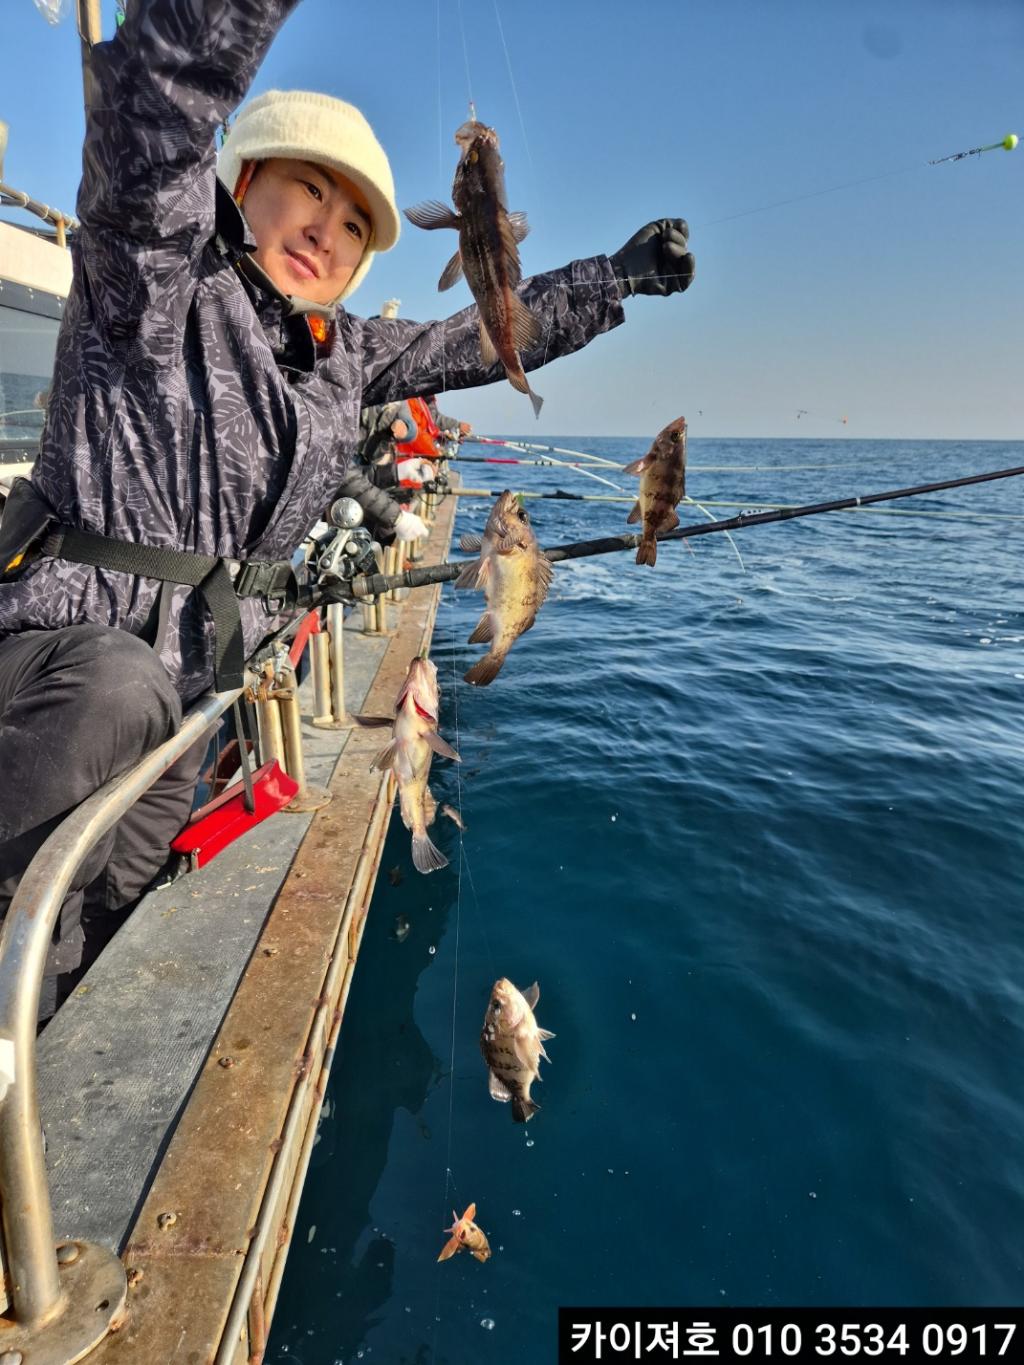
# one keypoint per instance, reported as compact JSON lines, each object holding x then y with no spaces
{"x":662,"y":483}
{"x":488,"y":253}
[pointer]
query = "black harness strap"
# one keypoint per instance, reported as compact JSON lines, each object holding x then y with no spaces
{"x":273,"y":580}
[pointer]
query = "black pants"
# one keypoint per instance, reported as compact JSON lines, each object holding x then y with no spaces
{"x":77,"y":707}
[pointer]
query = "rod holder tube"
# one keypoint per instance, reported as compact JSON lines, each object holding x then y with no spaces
{"x":320,"y":661}
{"x":268,"y":721}
{"x":308,"y":797}
{"x":336,"y":648}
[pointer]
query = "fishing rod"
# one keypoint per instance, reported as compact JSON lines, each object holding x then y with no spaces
{"x":693,"y":468}
{"x":542,"y":449}
{"x":369,"y":585}
{"x":562,"y":495}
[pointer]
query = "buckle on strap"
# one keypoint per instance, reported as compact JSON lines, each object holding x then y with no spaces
{"x":274,"y":580}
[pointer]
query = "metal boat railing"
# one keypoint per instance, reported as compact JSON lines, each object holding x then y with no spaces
{"x":64,"y":1298}
{"x":40,"y":1299}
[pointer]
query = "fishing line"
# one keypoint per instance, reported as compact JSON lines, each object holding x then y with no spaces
{"x":440,"y":111}
{"x":465,"y":54}
{"x":560,"y":495}
{"x":364,"y":585}
{"x":515,"y":92}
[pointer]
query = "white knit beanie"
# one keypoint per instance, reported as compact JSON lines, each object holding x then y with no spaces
{"x":307,"y":126}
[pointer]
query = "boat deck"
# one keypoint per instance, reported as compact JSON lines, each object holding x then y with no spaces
{"x":180,"y":1086}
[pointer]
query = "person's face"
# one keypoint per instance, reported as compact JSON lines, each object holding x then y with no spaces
{"x":311,"y":226}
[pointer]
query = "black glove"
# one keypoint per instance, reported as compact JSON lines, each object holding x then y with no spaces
{"x":655,"y":259}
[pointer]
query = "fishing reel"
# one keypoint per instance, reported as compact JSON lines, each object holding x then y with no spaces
{"x":345,"y":550}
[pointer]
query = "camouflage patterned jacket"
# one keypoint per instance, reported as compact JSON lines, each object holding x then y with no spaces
{"x":174,"y":419}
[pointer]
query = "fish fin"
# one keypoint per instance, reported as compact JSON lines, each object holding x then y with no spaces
{"x":635,"y":515}
{"x":373,"y":722}
{"x":545,"y":1034}
{"x":484,"y":631}
{"x":429,"y":807}
{"x":425,"y":857}
{"x":638,"y":466}
{"x":531,"y":995}
{"x":545,"y":573}
{"x":517,"y":378}
{"x":441,"y":746}
{"x":454,"y":817}
{"x":510,"y":249}
{"x":432,"y":214}
{"x":451,"y":274}
{"x":520,"y":227}
{"x":546,"y":1058}
{"x":525,"y":326}
{"x":449,"y":1249}
{"x":470,"y":543}
{"x":386,"y":758}
{"x":647,"y":552}
{"x":498,"y":1089}
{"x":485,"y":670}
{"x":472,"y":575}
{"x":470,"y":1212}
{"x":488,"y":355}
{"x":670,"y":520}
{"x":523,"y":1109}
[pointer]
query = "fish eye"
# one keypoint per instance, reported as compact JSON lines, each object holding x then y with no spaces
{"x":496,"y":1007}
{"x":522,"y":514}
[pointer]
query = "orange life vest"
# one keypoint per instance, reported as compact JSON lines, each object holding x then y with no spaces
{"x":427,"y":432}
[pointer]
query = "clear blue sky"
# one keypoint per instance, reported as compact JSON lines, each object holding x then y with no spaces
{"x":899,"y":302}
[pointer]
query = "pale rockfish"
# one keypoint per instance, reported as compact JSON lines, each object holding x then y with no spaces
{"x":662,"y":483}
{"x":466,"y":1236}
{"x":513,"y":1045}
{"x":488,"y":253}
{"x":409,"y":754}
{"x":514,"y":575}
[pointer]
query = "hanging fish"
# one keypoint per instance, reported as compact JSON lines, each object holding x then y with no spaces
{"x":515,"y":576}
{"x":409,"y":755}
{"x":488,"y":253}
{"x":512,"y":1046}
{"x":466,"y":1236}
{"x":662,"y":483}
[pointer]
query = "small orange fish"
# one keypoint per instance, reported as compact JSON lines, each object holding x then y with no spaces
{"x":466,"y":1234}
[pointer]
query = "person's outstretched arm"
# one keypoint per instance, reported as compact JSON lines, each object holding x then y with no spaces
{"x":164,"y":84}
{"x":574,"y":305}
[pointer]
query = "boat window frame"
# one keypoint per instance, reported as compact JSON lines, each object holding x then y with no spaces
{"x":40,"y":303}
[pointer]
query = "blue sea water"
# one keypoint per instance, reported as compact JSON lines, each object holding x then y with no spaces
{"x":757,"y":833}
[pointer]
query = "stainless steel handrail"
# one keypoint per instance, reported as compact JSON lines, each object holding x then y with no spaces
{"x":24,"y":1191}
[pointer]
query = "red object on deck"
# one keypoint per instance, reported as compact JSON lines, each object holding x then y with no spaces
{"x":310,"y":626}
{"x":224,"y":819}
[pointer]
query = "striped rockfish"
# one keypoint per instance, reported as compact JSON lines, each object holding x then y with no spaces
{"x":514,"y":574}
{"x":488,"y":253}
{"x":409,"y":755}
{"x":662,"y":484}
{"x":512,"y":1046}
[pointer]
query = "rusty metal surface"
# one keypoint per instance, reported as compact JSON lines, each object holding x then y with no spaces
{"x":266,"y":1072}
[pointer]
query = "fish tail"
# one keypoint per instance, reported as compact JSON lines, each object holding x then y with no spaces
{"x":425,"y":857}
{"x":523,"y":1109}
{"x":485,"y":670}
{"x":647,"y":551}
{"x":449,"y":1249}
